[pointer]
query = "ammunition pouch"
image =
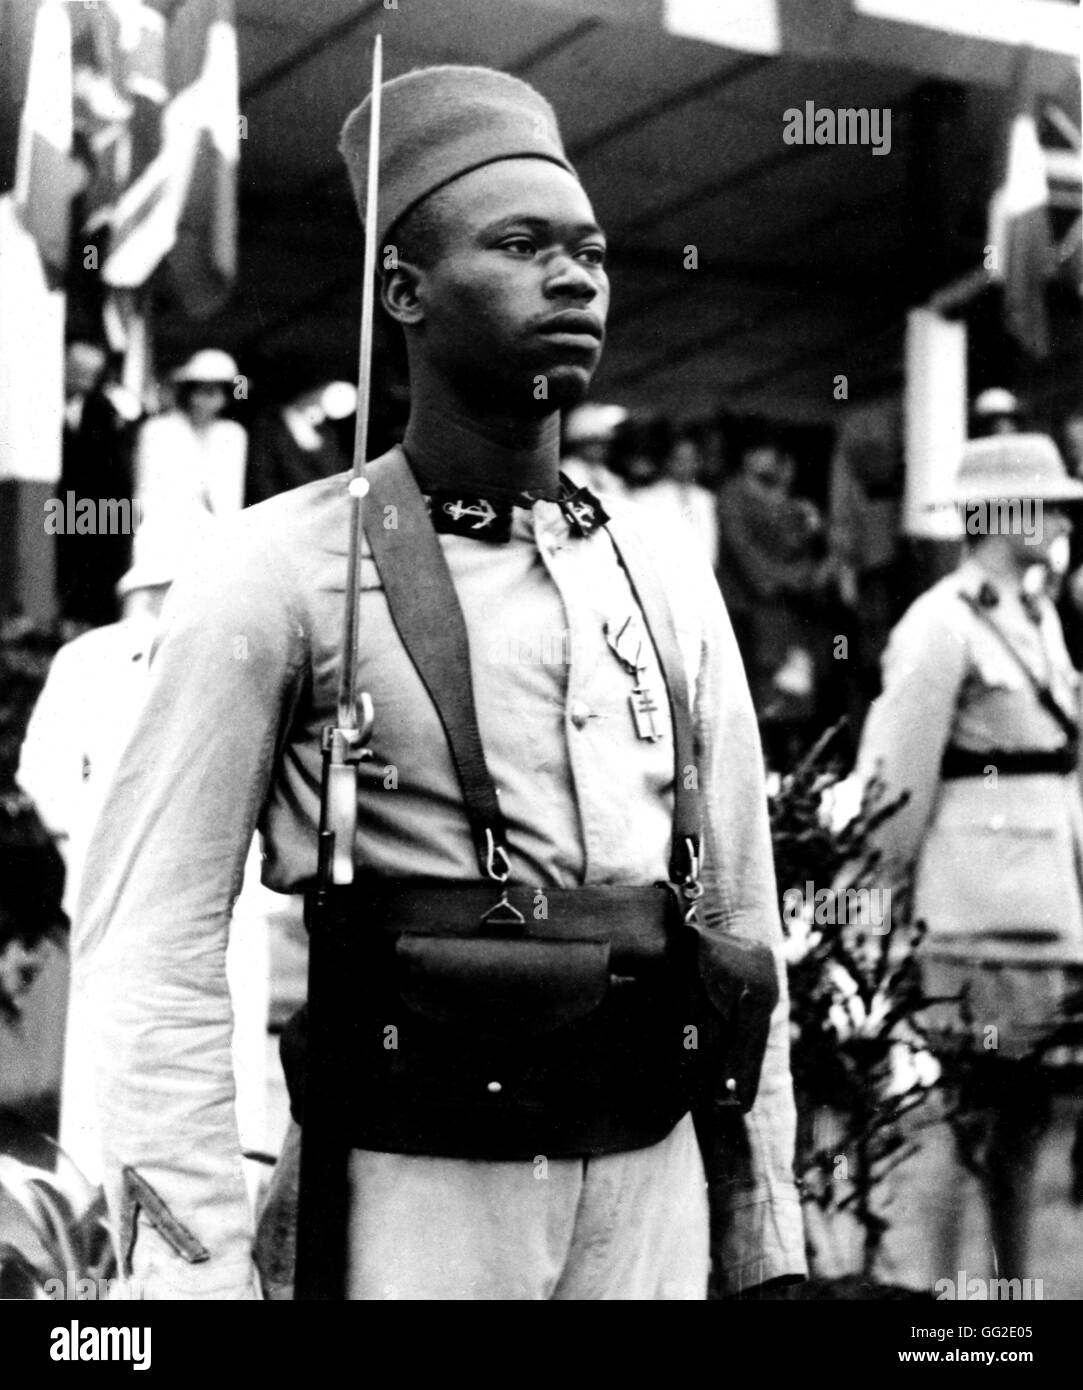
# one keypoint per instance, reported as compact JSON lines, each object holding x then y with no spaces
{"x":467,"y":1027}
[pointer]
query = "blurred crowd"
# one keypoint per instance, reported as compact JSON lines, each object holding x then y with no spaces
{"x":803,"y":531}
{"x":189,"y":460}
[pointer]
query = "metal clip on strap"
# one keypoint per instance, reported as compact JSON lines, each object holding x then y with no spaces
{"x":497,"y":863}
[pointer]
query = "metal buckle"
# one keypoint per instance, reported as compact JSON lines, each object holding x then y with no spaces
{"x":502,"y":913}
{"x":510,"y":916}
{"x":691,"y":888}
{"x":492,"y":850}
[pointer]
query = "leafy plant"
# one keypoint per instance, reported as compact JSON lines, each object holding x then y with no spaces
{"x":860,"y":1050}
{"x":54,"y":1232}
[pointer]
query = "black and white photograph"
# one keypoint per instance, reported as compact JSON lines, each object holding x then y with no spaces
{"x":541,"y":662}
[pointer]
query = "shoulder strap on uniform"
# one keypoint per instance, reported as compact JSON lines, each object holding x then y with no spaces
{"x":426,"y":613}
{"x":642,"y":574}
{"x":1045,"y":695}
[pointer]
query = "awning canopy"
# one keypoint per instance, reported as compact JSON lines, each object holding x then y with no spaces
{"x":806,"y":256}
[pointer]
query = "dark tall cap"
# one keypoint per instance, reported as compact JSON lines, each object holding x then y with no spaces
{"x":440,"y":123}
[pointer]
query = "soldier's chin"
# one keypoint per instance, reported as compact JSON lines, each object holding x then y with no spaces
{"x":567,"y":385}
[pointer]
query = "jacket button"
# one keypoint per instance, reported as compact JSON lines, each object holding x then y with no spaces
{"x":580,"y":713}
{"x":731,"y":1085}
{"x":494,"y":1088}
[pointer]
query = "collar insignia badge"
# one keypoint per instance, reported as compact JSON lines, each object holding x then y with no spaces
{"x":583,"y":512}
{"x":483,"y":509}
{"x":481,"y":518}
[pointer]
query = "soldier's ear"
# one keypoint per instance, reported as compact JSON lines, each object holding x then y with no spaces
{"x":400,"y":296}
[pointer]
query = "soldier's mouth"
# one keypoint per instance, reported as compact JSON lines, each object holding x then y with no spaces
{"x":574,"y":327}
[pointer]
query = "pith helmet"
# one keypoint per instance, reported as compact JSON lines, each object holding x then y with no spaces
{"x":1014,"y":465}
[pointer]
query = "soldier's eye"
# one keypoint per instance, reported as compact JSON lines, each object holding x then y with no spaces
{"x":593,"y":255}
{"x":518,"y":245}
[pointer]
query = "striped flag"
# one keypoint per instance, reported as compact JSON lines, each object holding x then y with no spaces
{"x":1064,"y":168}
{"x":45,"y":176}
{"x":182,"y":203}
{"x":203,"y":46}
{"x":120,"y":94}
{"x":1020,"y":233}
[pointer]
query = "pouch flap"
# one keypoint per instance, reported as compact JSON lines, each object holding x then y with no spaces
{"x":741,"y":982}
{"x":739,"y":976}
{"x":488,"y":984}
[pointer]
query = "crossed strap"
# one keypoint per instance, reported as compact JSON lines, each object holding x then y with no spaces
{"x":1042,"y":690}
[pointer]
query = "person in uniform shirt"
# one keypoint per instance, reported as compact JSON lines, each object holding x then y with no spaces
{"x":499,"y":286}
{"x":674,"y":498}
{"x":588,"y":436}
{"x":978,"y":723}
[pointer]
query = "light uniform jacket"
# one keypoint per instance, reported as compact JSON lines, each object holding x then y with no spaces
{"x":242,"y":685}
{"x":997,"y":857}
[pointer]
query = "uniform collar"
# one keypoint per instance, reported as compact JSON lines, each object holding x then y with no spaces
{"x":487,"y":518}
{"x":993,"y":590}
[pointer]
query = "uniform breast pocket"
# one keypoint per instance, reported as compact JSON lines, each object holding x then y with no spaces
{"x":998,"y":706}
{"x":993,"y":669}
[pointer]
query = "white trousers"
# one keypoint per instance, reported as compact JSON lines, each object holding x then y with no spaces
{"x":623,"y":1226}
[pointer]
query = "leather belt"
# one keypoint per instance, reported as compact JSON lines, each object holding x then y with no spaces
{"x":631,"y":918}
{"x":963,"y":762}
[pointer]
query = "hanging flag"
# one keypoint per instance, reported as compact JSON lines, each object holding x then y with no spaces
{"x":1064,"y":169}
{"x":182,"y":204}
{"x":119,"y":94}
{"x":204,"y":261}
{"x":1020,"y":235}
{"x":44,"y":173}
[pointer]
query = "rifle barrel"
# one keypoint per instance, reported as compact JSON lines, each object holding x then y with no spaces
{"x":347,"y":686}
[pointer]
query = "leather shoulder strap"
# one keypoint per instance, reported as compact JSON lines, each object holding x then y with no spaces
{"x":426,"y":613}
{"x":1045,"y":695}
{"x":651,"y":596}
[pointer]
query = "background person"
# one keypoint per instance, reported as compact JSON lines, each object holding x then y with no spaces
{"x":774,"y":575}
{"x":96,"y":463}
{"x":655,"y":470}
{"x":978,"y":723}
{"x":865,"y":540}
{"x":190,"y":460}
{"x":995,"y":411}
{"x":587,"y":438}
{"x":74,"y":744}
{"x":292,"y":445}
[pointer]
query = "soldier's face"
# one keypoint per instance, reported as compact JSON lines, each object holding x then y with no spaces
{"x":514,"y":310}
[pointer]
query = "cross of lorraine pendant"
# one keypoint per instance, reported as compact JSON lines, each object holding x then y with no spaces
{"x":644,"y":709}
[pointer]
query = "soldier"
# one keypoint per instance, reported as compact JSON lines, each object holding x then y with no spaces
{"x":494,"y":267}
{"x":978,"y":722}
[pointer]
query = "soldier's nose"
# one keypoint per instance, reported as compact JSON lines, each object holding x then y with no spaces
{"x":570,"y":277}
